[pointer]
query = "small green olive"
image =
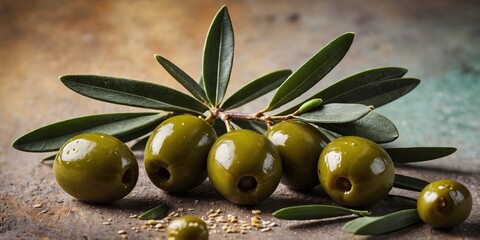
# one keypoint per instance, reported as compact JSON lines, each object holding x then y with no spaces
{"x":176,"y":153}
{"x":355,"y":171}
{"x":187,"y":228}
{"x":96,"y":168}
{"x":244,"y":167}
{"x":444,"y":204}
{"x":300,"y":146}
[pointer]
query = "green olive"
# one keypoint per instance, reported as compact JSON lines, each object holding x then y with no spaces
{"x":300,"y":146}
{"x":187,"y":228}
{"x":355,"y":171}
{"x":444,"y":204}
{"x":244,"y":167}
{"x":96,"y":168}
{"x":176,"y":153}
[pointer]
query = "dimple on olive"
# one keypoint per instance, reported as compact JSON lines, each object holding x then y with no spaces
{"x":355,"y":171}
{"x":444,"y":204}
{"x":244,"y":167}
{"x":96,"y":168}
{"x":300,"y":146}
{"x":176,"y":153}
{"x":187,"y":228}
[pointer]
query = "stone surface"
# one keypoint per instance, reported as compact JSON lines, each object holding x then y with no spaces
{"x":438,"y":41}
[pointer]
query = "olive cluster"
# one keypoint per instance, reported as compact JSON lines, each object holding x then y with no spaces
{"x":246,"y":167}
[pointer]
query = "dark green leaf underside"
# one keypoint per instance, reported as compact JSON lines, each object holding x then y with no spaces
{"x":252,"y":125}
{"x":353,"y":82}
{"x":312,"y":71}
{"x":140,"y":144}
{"x":125,"y":126}
{"x":335,"y":113}
{"x":418,"y":154}
{"x":382,"y":224}
{"x":373,"y":126}
{"x":133,"y":93}
{"x":183,"y":78}
{"x":255,"y":89}
{"x":218,"y":57}
{"x":154,"y":213}
{"x":409,"y":183}
{"x":310,"y":212}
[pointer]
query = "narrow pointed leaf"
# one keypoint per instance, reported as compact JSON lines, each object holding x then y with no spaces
{"x":354,"y":82}
{"x":218,"y":57}
{"x":312,"y":71}
{"x":418,"y":154}
{"x":378,"y":93}
{"x":183,"y":78}
{"x":335,"y":113}
{"x":252,"y":125}
{"x":49,"y":158}
{"x":140,"y":144}
{"x":310,"y":212}
{"x":373,"y":126}
{"x":154,"y":213}
{"x":256,"y":88}
{"x":383,"y":224}
{"x":409,"y":183}
{"x":133,"y":93}
{"x":125,"y":126}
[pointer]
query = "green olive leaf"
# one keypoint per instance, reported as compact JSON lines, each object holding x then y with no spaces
{"x":256,"y":88}
{"x":140,"y":144}
{"x":124,"y":126}
{"x":312,"y":71}
{"x":49,"y":158}
{"x":183,"y":78}
{"x":377,"y":93}
{"x":218,"y":57}
{"x":373,"y":126}
{"x":309,"y":212}
{"x":252,"y":125}
{"x":335,"y":113}
{"x":409,"y":183}
{"x":418,"y":154}
{"x":133,"y":93}
{"x":154,"y":213}
{"x":352,"y":83}
{"x":382,"y":224}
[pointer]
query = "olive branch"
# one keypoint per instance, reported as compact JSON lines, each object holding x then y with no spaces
{"x":344,"y":108}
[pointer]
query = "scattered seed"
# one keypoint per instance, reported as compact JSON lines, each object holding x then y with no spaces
{"x":256,"y":212}
{"x":106,"y":223}
{"x":133,"y":216}
{"x":37,"y":206}
{"x":191,"y":209}
{"x":265,"y":229}
{"x":151,"y":222}
{"x":180,"y":210}
{"x":122,"y":232}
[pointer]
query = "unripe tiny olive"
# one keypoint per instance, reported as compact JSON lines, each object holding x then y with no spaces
{"x":355,"y":171}
{"x":176,"y":153}
{"x":444,"y":204}
{"x":187,"y":228}
{"x":244,"y":167}
{"x":96,"y":168}
{"x":300,"y":146}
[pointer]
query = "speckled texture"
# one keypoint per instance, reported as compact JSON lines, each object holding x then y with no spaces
{"x":438,"y":41}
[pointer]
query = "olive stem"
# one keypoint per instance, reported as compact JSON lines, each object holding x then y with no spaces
{"x":259,"y":116}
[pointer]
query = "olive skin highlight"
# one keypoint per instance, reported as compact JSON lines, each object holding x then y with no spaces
{"x":244,"y":167}
{"x":176,"y":153}
{"x":96,"y":168}
{"x":300,"y":146}
{"x":444,"y":204}
{"x":355,"y":171}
